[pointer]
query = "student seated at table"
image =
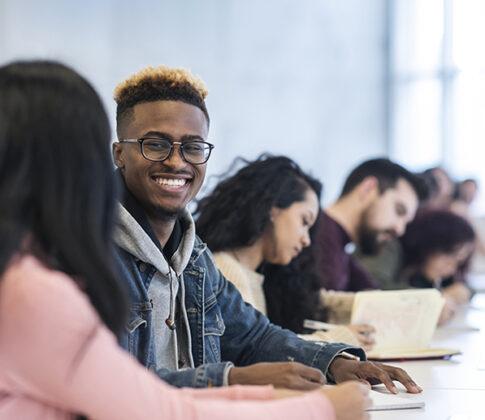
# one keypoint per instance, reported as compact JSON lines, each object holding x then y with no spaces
{"x":61,"y":305}
{"x":385,"y":265}
{"x":437,"y":247}
{"x":379,"y":198}
{"x":272,"y":205}
{"x":293,"y":295}
{"x":187,"y":322}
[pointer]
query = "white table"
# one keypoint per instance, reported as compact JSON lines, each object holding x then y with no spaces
{"x":454,"y":387}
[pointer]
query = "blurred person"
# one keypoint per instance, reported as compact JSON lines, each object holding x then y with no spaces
{"x":187,"y":322}
{"x":437,"y":247}
{"x":465,"y":193}
{"x":442,"y":197}
{"x":386,"y":265}
{"x":61,"y":305}
{"x":467,"y":190}
{"x":274,"y":232}
{"x":378,"y":200}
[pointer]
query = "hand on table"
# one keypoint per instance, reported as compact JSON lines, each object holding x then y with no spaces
{"x":371,"y":374}
{"x":290,"y":375}
{"x":349,"y":400}
{"x":364,"y":334}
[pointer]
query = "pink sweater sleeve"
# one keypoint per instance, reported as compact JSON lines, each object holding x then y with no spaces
{"x":55,"y":350}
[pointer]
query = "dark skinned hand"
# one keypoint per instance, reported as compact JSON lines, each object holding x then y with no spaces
{"x":372,"y":374}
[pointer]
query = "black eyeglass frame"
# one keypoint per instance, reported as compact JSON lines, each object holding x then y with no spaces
{"x":172,"y":144}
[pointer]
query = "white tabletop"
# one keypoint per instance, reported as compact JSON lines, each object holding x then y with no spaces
{"x":454,"y":389}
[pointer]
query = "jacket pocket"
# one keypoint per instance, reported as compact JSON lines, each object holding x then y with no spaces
{"x":134,"y":323}
{"x":214,"y":324}
{"x":136,"y":329}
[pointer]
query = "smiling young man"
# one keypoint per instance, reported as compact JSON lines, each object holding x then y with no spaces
{"x":378,"y":200}
{"x":188,"y":323}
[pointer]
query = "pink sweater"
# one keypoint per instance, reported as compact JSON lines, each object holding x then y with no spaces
{"x":57,"y":358}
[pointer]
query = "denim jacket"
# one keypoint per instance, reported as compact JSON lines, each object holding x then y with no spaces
{"x":223,"y":329}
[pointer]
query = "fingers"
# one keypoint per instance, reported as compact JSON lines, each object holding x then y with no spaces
{"x":360,"y":386}
{"x":365,"y":334}
{"x":364,"y":383}
{"x":302,"y":384}
{"x":366,"y":340}
{"x":309,"y":374}
{"x":302,"y":377}
{"x":365,"y":329}
{"x":385,"y":378}
{"x":401,"y":375}
{"x":386,"y":375}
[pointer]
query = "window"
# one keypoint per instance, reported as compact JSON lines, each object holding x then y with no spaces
{"x":437,"y":86}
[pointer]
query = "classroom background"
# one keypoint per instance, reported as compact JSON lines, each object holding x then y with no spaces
{"x":329,"y":83}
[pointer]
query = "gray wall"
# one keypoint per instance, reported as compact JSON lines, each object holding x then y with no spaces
{"x":304,"y":78}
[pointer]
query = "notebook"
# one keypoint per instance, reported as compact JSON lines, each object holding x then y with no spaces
{"x":405,"y":321}
{"x":385,"y":401}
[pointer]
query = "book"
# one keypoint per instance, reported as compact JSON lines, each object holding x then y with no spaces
{"x":405,"y":321}
{"x":399,"y":355}
{"x":385,"y":401}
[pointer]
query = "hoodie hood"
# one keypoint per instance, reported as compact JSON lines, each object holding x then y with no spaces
{"x":133,"y":238}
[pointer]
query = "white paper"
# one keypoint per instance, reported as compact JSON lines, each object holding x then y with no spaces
{"x":385,"y":401}
{"x":404,"y":319}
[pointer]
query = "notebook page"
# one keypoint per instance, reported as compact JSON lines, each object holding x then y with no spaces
{"x":404,"y":319}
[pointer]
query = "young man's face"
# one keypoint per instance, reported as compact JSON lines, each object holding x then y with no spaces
{"x":386,"y":218}
{"x":163,"y":188}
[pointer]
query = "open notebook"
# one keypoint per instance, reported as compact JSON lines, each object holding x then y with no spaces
{"x":405,"y":321}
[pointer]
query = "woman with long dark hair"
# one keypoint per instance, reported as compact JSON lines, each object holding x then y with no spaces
{"x":60,"y":302}
{"x":260,"y":216}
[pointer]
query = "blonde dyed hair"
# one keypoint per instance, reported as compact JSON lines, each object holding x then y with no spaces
{"x":158,"y":84}
{"x":175,"y":77}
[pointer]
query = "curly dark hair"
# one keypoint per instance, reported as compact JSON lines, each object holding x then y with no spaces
{"x":237,"y":212}
{"x":434,"y":231}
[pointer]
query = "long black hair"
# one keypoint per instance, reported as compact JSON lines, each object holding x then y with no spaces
{"x":57,"y":191}
{"x":238,"y":211}
{"x":292,"y":291}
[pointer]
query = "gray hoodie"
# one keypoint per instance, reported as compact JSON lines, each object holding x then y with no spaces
{"x":172,"y":349}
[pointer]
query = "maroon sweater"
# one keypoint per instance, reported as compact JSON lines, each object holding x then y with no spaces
{"x":336,"y":268}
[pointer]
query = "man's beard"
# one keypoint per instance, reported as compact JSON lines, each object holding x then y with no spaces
{"x":368,"y":240}
{"x":165,"y":215}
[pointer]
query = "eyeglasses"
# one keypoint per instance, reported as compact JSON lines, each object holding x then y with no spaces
{"x":156,"y":149}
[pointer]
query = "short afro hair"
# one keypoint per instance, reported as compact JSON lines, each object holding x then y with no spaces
{"x":160,"y":83}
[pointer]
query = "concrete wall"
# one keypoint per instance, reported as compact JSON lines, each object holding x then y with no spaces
{"x":304,"y":78}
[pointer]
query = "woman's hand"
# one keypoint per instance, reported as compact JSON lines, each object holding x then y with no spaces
{"x":364,"y":334}
{"x":448,"y":311}
{"x":349,"y":399}
{"x":458,"y":292}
